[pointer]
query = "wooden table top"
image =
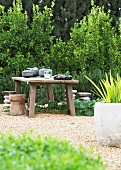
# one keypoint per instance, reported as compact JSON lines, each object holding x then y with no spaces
{"x":41,"y":80}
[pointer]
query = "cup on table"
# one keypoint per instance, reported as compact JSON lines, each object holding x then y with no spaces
{"x":47,"y":74}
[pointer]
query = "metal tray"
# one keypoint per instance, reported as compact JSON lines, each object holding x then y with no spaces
{"x":62,"y":78}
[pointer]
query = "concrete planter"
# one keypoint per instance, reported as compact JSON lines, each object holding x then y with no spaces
{"x":107,"y":120}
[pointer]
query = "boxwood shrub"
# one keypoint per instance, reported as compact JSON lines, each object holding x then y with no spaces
{"x":27,"y":153}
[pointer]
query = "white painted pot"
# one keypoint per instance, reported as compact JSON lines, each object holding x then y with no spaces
{"x":107,"y":120}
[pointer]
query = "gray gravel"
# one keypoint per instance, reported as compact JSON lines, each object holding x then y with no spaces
{"x":77,"y":130}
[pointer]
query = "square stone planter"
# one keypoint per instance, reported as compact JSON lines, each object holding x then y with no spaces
{"x":107,"y":121}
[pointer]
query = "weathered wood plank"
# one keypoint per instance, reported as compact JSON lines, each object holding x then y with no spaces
{"x":32,"y":96}
{"x":40,"y":80}
{"x":70,"y":100}
{"x":17,"y":86}
{"x":50,"y":92}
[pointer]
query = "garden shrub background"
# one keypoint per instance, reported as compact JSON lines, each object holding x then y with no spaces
{"x":23,"y":152}
{"x":94,"y":47}
{"x":23,"y":46}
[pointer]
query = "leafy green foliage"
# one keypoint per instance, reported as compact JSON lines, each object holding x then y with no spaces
{"x":64,"y":16}
{"x":109,"y":89}
{"x":6,"y":110}
{"x":58,"y":90}
{"x":50,"y":107}
{"x":23,"y":46}
{"x":84,"y":85}
{"x":63,"y":60}
{"x":94,"y":44}
{"x":23,"y":152}
{"x":112,"y":5}
{"x":6,"y":4}
{"x":119,"y":37}
{"x":84,"y":108}
{"x":67,"y":73}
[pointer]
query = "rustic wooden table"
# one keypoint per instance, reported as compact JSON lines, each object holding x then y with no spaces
{"x":33,"y":81}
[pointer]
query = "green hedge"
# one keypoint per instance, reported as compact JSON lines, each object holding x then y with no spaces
{"x":93,"y":49}
{"x":25,"y":153}
{"x":94,"y":44}
{"x":23,"y":46}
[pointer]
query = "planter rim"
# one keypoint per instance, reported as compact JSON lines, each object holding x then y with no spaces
{"x":107,"y":103}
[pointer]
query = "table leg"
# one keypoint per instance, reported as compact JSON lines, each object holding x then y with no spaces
{"x":50,"y":92}
{"x":32,"y":95}
{"x":17,"y":87}
{"x":28,"y":105}
{"x":70,"y":100}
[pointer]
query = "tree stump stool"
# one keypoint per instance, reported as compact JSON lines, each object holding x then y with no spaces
{"x":17,"y":106}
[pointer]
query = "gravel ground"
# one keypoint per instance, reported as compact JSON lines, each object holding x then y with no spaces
{"x":77,"y":130}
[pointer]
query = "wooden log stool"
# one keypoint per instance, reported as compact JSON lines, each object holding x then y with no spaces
{"x":17,"y":106}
